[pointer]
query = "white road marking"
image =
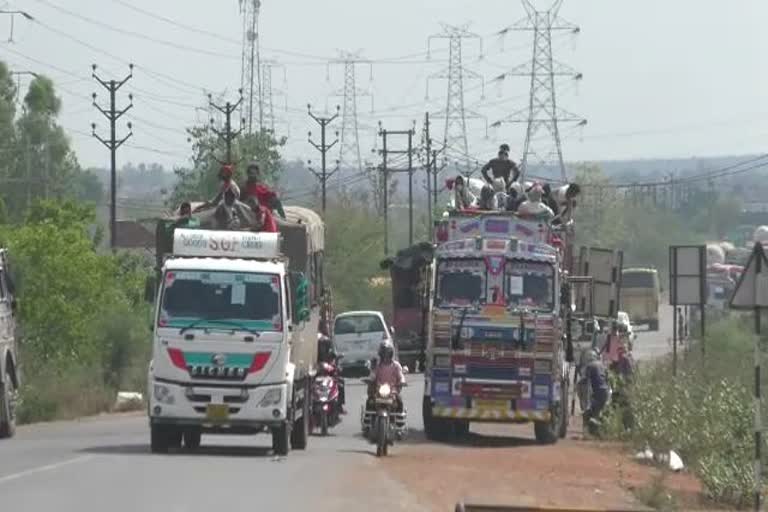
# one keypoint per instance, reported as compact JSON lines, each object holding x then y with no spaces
{"x":42,"y":469}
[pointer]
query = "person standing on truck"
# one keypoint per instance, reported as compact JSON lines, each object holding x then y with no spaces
{"x":501,"y":167}
{"x":255,"y":188}
{"x":463,"y":198}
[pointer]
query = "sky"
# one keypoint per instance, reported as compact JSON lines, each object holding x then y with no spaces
{"x":661,"y":78}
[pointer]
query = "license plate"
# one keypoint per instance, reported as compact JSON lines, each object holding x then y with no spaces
{"x":217,"y":412}
{"x":492,"y":404}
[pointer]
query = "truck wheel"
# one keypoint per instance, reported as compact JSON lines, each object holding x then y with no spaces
{"x":435,"y":429}
{"x":192,"y":439}
{"x":7,"y":408}
{"x":564,"y":416}
{"x":461,"y":429}
{"x":300,"y":430}
{"x":281,"y":437}
{"x":159,"y":439}
{"x":547,"y":431}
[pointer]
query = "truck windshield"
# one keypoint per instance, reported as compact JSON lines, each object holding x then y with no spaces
{"x":247,"y":300}
{"x":637,"y":280}
{"x":461,"y":282}
{"x":530,"y":284}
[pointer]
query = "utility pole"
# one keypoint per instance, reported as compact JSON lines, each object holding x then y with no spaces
{"x":428,"y":168}
{"x":227,"y":135}
{"x":385,"y":152}
{"x":323,"y":148}
{"x":113,"y":143}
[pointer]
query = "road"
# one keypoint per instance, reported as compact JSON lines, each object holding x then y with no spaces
{"x":104,"y":464}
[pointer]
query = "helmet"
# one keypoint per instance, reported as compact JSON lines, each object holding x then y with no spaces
{"x":386,"y":351}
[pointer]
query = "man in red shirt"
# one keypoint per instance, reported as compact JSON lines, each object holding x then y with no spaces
{"x":261,"y":192}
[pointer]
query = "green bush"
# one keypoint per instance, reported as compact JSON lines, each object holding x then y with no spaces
{"x":705,"y":414}
{"x":84,"y":330}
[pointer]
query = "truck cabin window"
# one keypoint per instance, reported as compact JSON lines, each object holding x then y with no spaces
{"x":358,"y":324}
{"x":530,"y":285}
{"x":461,"y":283}
{"x":637,"y":280}
{"x":249,"y":299}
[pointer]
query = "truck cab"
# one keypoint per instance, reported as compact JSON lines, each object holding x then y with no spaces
{"x":10,"y":378}
{"x":640,"y":291}
{"x":227,"y":320}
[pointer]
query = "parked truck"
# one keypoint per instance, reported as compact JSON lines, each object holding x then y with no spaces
{"x":236,"y":324}
{"x":10,"y":376}
{"x":411,"y":279}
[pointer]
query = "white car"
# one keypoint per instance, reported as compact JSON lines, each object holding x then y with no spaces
{"x":357,"y":335}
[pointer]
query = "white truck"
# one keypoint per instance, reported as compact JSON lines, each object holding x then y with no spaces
{"x":235,"y":340}
{"x":10,"y":377}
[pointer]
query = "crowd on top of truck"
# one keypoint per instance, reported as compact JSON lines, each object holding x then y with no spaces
{"x":503,"y":190}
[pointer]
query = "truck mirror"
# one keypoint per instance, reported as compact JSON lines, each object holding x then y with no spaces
{"x":391,"y":330}
{"x":149,"y":289}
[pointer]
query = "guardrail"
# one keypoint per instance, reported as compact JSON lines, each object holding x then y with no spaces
{"x":480,"y":507}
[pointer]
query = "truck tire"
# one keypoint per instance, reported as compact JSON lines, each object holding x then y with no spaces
{"x":435,"y":429}
{"x":175,"y":436}
{"x":300,"y":430}
{"x":281,"y":437}
{"x":192,"y":439}
{"x":7,"y":408}
{"x":565,"y":417}
{"x":159,"y":439}
{"x":547,"y":432}
{"x":461,"y":429}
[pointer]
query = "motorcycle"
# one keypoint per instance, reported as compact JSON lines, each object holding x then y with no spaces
{"x":383,"y":424}
{"x":326,"y":406}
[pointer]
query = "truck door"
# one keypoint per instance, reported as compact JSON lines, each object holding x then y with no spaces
{"x":604,"y":266}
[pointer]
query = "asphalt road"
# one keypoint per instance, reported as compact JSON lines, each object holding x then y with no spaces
{"x":104,"y":464}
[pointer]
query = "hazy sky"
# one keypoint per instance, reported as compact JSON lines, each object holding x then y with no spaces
{"x":662,"y":78}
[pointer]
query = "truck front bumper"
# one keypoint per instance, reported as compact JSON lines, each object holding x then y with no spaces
{"x":218,"y":409}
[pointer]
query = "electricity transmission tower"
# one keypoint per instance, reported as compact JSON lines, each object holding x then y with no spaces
{"x":349,"y":150}
{"x":251,"y":79}
{"x":543,"y":113}
{"x":455,"y":113}
{"x":269,"y":93}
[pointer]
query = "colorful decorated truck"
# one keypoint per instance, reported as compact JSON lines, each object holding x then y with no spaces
{"x":496,"y":345}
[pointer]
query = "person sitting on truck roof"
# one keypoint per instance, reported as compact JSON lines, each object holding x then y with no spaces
{"x":227,"y":183}
{"x":533,"y":207}
{"x":254,"y":187}
{"x":264,"y":217}
{"x":463,"y":198}
{"x":502,"y":167}
{"x":549,"y":199}
{"x":487,"y":198}
{"x":185,"y":219}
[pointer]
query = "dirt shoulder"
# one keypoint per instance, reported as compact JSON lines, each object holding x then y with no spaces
{"x":504,"y":465}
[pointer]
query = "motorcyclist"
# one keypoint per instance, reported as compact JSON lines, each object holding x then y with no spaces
{"x":387,"y":371}
{"x":326,"y":353}
{"x":597,"y":376}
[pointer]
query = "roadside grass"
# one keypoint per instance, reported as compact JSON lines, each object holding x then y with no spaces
{"x":656,"y":494}
{"x":704,"y":414}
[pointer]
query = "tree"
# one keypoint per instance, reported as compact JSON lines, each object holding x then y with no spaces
{"x":200,"y":181}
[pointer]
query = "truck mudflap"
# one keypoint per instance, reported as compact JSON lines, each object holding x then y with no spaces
{"x":489,"y":414}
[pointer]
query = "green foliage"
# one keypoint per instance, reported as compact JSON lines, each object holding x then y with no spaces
{"x":355,"y":241}
{"x":83,"y":318}
{"x":705,"y":414}
{"x":37,"y":160}
{"x":201,"y":181}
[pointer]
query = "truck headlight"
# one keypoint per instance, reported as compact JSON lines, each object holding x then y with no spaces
{"x":271,"y":397}
{"x":163,"y":394}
